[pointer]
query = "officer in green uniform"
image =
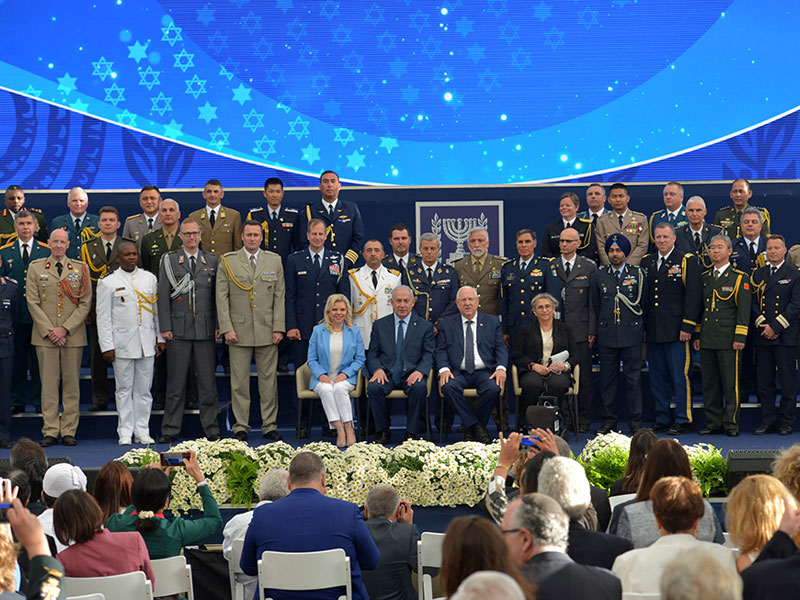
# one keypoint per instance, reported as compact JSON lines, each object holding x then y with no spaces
{"x":723,"y":331}
{"x":728,"y":218}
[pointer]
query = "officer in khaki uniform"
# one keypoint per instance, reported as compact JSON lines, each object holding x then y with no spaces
{"x":220,"y":227}
{"x":631,"y":224}
{"x":729,"y":217}
{"x":138,"y":226}
{"x":371,"y":295}
{"x":59,"y":296}
{"x":723,"y":331}
{"x":251,"y":295}
{"x":481,"y":271}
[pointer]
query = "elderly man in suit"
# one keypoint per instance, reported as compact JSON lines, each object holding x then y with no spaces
{"x":138,"y":226}
{"x":622,"y":220}
{"x":471,"y":353}
{"x":400,"y":356}
{"x":188,"y":322}
{"x":59,"y":294}
{"x":481,"y":271}
{"x":78,"y":223}
{"x":220,"y":227}
{"x":251,"y":309}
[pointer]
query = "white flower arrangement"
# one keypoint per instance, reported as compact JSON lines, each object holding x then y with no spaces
{"x":603,"y":442}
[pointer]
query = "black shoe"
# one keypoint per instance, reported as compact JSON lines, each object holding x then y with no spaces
{"x":383,"y":437}
{"x":48,"y":441}
{"x":660,"y":427}
{"x":732,"y":433}
{"x":273,"y":436}
{"x":785,"y":429}
{"x":241,"y":436}
{"x":214,"y":437}
{"x":328,"y":432}
{"x":584,"y":429}
{"x":710,"y":431}
{"x":481,"y":435}
{"x":763,"y":429}
{"x":5,"y":444}
{"x":190,"y":406}
{"x":679,"y":429}
{"x":604,"y":430}
{"x":69,"y":440}
{"x":283,"y":369}
{"x":15,"y":410}
{"x":469,"y":435}
{"x":98,"y":407}
{"x":167,"y":439}
{"x":303,"y":433}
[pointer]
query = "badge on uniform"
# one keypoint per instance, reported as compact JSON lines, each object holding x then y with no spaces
{"x":344,"y":219}
{"x":6,"y":303}
{"x":387,"y":290}
{"x":334,"y":269}
{"x":302,"y":272}
{"x":536,"y":273}
{"x":287,"y":224}
{"x":727,"y":288}
{"x":674,"y":270}
{"x":632,"y":227}
{"x":494,"y":273}
{"x":782,"y":281}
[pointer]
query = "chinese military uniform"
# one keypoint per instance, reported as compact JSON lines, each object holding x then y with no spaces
{"x":79,"y":233}
{"x":728,"y":219}
{"x":9,"y":317}
{"x":519,"y":286}
{"x":284,"y":233}
{"x":370,"y":302}
{"x":8,"y":233}
{"x":344,"y":230}
{"x":435,"y":294}
{"x":633,"y":227}
{"x":485,"y":276}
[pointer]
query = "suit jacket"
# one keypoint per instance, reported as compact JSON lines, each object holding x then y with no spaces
{"x":558,"y":577}
{"x":8,"y":233}
{"x":634,"y":227}
{"x":527,"y":346}
{"x":397,"y":543}
{"x":489,"y":336}
{"x":627,"y":328}
{"x":418,"y":346}
{"x":774,"y":572}
{"x":587,"y":248}
{"x":595,"y":548}
{"x":50,"y":300}
{"x":307,"y":290}
{"x":740,"y":255}
{"x":89,"y":230}
{"x":136,"y":227}
{"x":576,"y":297}
{"x":675,"y":296}
{"x":518,"y":289}
{"x":9,"y":318}
{"x":225,"y":236}
{"x":486,"y":282}
{"x":435,"y":298}
{"x":251,"y":302}
{"x":345,"y":233}
{"x":289,"y":234}
{"x":307,"y":521}
{"x":11,"y":265}
{"x":186,"y":317}
{"x":685,"y":242}
{"x":319,"y":353}
{"x":154,"y":246}
{"x":776,"y":302}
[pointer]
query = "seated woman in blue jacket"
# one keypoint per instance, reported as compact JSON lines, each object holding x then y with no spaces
{"x":335,"y":354}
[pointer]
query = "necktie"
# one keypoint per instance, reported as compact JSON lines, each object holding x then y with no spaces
{"x":620,"y":221}
{"x":192,"y":263}
{"x":772,"y":271}
{"x":316,"y":262}
{"x":697,"y":240}
{"x":375,"y":279}
{"x":78,"y":225}
{"x":567,"y":269}
{"x":59,"y":268}
{"x":523,"y":266}
{"x":476,"y":266}
{"x":397,"y":369}
{"x":469,"y":350}
{"x":430,"y":274}
{"x":25,"y":256}
{"x":274,"y":216}
{"x":752,"y":253}
{"x":212,"y":218}
{"x":617,"y":274}
{"x":149,"y":223}
{"x":402,"y":264}
{"x":594,"y":220}
{"x":660,"y":262}
{"x":671,"y":219}
{"x":253,"y":261}
{"x":716,"y":274}
{"x":108,"y":252}
{"x":330,"y":213}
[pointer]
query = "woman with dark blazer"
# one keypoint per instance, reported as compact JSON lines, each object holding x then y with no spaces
{"x":534,"y":345}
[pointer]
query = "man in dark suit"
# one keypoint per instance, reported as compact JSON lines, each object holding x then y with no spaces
{"x":568,"y":207}
{"x":400,"y":356}
{"x":537,"y":533}
{"x":344,"y":231}
{"x":78,"y":223}
{"x":308,"y":521}
{"x":435,"y":284}
{"x":776,"y":306}
{"x":284,"y":229}
{"x":674,"y":291}
{"x":467,"y":358}
{"x":695,"y":236}
{"x":391,"y":524}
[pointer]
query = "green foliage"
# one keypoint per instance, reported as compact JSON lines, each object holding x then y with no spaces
{"x":709,"y":468}
{"x":241,"y":472}
{"x":397,"y":464}
{"x":606,"y":466}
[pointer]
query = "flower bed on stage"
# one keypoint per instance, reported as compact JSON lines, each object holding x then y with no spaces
{"x":422,"y":473}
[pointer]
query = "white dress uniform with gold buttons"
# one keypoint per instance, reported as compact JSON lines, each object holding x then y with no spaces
{"x":370,"y":303}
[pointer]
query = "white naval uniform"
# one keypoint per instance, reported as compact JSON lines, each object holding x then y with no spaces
{"x":370,"y":304}
{"x":127,"y":322}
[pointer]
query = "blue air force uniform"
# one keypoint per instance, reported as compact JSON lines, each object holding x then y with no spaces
{"x":344,"y":233}
{"x":282,"y":235}
{"x":436,"y":296}
{"x":663,"y":216}
{"x":411,"y":263}
{"x":9,"y":317}
{"x":519,"y":286}
{"x":88,"y":231}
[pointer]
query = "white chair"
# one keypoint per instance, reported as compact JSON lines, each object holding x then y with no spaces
{"x":237,"y":589}
{"x":128,"y":586}
{"x":88,"y":597}
{"x":429,"y":554}
{"x":172,"y":576}
{"x":640,"y":596}
{"x":304,"y":571}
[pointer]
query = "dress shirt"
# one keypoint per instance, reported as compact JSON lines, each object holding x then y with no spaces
{"x":80,"y":218}
{"x":189,"y":256}
{"x":216,"y":210}
{"x":721,"y":270}
{"x":570,"y":262}
{"x":778,"y":266}
{"x":662,"y":258}
{"x":249,"y":256}
{"x":30,"y":247}
{"x":169,"y":236}
{"x":405,"y":325}
{"x":331,"y":206}
{"x":568,"y":224}
{"x":321,"y":255}
{"x":479,"y":364}
{"x":403,"y":258}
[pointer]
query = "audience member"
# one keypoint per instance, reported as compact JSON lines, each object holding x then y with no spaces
{"x":391,"y":524}
{"x":34,"y":467}
{"x":57,"y":480}
{"x":8,"y":566}
{"x":489,"y":585}
{"x":473,"y":544}
{"x":21,"y":481}
{"x":786,"y":469}
{"x":308,"y":521}
{"x":641,"y":442}
{"x":696,"y":575}
{"x":24,"y":447}
{"x":598,"y":516}
{"x":112,"y":488}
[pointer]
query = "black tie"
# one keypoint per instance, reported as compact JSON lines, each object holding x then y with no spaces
{"x":402,"y":264}
{"x":397,"y":369}
{"x":25,"y":255}
{"x":149,"y":223}
{"x":620,"y":221}
{"x":772,"y":270}
{"x":617,"y":274}
{"x":567,"y":269}
{"x":192,"y":263}
{"x":752,"y":253}
{"x":523,"y":265}
{"x":594,"y":220}
{"x":469,"y":350}
{"x":430,"y":274}
{"x":375,"y":279}
{"x":316,"y":262}
{"x":108,"y":252}
{"x":660,"y":263}
{"x":274,"y":216}
{"x":78,"y":225}
{"x":59,"y":268}
{"x":212,"y":218}
{"x":697,"y":240}
{"x":330,"y":214}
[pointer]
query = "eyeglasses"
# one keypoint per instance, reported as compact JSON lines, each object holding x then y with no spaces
{"x":190,"y":233}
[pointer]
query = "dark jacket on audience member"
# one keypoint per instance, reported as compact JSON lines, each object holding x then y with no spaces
{"x":558,"y":577}
{"x":595,"y":548}
{"x":776,"y":571}
{"x":397,"y":542}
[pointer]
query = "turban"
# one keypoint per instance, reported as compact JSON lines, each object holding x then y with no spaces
{"x":621,"y":242}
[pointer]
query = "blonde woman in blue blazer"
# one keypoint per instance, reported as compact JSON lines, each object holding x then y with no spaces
{"x":335,"y":354}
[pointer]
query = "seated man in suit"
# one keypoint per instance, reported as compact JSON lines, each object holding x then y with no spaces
{"x":536,"y":530}
{"x":467,"y":358}
{"x":391,"y":524}
{"x":307,"y":521}
{"x":400,"y":356}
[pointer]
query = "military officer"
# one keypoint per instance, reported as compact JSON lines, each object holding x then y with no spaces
{"x":748,"y":252}
{"x":14,"y":260}
{"x":435,"y":284}
{"x":100,"y":255}
{"x":596,"y":204}
{"x":723,"y":331}
{"x":78,"y":223}
{"x":188,"y":322}
{"x":728,"y":218}
{"x":521,"y":279}
{"x":59,"y":294}
{"x":157,"y":243}
{"x":138,"y":226}
{"x":128,"y":331}
{"x":221,"y":226}
{"x":371,"y":288}
{"x":694,"y":237}
{"x":481,"y":271}
{"x":401,"y":259}
{"x":631,"y":224}
{"x":776,"y":306}
{"x":674,"y":290}
{"x":568,"y":207}
{"x":251,"y":297}
{"x":9,"y":317}
{"x":673,"y":212}
{"x":15,"y":202}
{"x":282,"y":226}
{"x":619,"y":297}
{"x":344,"y":231}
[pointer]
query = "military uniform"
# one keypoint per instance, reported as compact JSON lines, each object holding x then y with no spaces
{"x":486,"y":281}
{"x":370,"y":303}
{"x":411,"y":263}
{"x":776,"y":303}
{"x":552,"y":235}
{"x":726,"y":314}
{"x":634,"y":227}
{"x":251,"y":301}
{"x":225,"y":236}
{"x":283,"y":236}
{"x":187,"y":308}
{"x":138,"y":226}
{"x":59,"y":301}
{"x":662,"y":216}
{"x":620,"y":305}
{"x":436,"y":296}
{"x":12,"y":265}
{"x":154,"y":246}
{"x":344,"y":233}
{"x":9,"y":317}
{"x":88,"y":230}
{"x":728,"y":219}
{"x":686,"y":242}
{"x":674,"y":305}
{"x":127,"y":323}
{"x":518,"y":288}
{"x":741,"y":257}
{"x":8,"y":233}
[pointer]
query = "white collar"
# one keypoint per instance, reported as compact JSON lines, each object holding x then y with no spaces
{"x":255,"y":254}
{"x":432,"y":267}
{"x":188,"y":255}
{"x":321,"y":253}
{"x":473,"y":319}
{"x":778,"y":266}
{"x":397,"y":259}
{"x":569,"y":261}
{"x":721,"y":270}
{"x":217,"y":209}
{"x":330,"y":206}
{"x":666,"y":256}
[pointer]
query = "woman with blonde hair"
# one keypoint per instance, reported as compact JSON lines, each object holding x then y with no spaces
{"x":335,"y":354}
{"x":753,"y":514}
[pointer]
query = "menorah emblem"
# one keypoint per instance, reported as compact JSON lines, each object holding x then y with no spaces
{"x":456,"y":229}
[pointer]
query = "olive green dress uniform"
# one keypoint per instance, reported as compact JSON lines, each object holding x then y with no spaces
{"x":225,"y":236}
{"x":729,"y":217}
{"x":59,"y":301}
{"x":486,"y":280}
{"x":138,"y":226}
{"x":8,"y":233}
{"x":726,"y":315}
{"x":634,"y":227}
{"x":154,"y":246}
